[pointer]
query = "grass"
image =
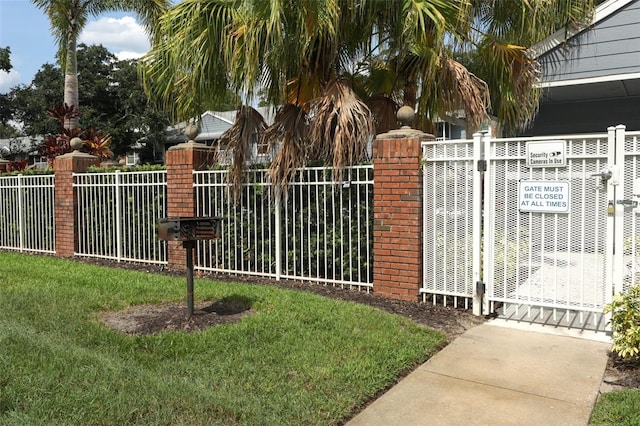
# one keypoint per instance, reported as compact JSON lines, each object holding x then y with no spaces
{"x":617,"y":408}
{"x":301,"y":359}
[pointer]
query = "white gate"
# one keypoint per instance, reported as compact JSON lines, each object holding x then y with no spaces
{"x":451,"y":222}
{"x":537,"y":229}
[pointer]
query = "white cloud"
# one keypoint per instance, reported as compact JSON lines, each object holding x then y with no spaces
{"x":124,"y":37}
{"x":124,"y":55}
{"x":8,"y":80}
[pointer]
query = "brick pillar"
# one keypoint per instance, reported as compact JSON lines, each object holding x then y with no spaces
{"x":397,"y":213}
{"x":66,"y":199}
{"x":181,"y":160}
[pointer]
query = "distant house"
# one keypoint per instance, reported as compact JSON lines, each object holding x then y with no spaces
{"x":212,"y":125}
{"x":446,"y":130}
{"x":591,"y":76}
{"x":23,"y":148}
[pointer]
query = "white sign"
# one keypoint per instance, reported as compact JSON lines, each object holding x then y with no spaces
{"x":546,"y":154}
{"x":544,"y":196}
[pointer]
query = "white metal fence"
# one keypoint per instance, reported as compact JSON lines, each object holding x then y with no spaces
{"x":321,"y":231}
{"x":631,"y":212}
{"x":547,"y":263}
{"x":27,"y":217}
{"x":449,"y":225}
{"x":118,"y":215}
{"x":553,"y":262}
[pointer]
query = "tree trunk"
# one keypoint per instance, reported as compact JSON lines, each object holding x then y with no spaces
{"x":71,"y":66}
{"x":410,"y":90}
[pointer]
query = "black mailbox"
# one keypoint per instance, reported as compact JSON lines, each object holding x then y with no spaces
{"x":189,"y":228}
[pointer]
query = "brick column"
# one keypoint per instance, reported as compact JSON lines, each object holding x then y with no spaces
{"x":397,"y":213}
{"x":181,"y":160}
{"x":66,"y":200}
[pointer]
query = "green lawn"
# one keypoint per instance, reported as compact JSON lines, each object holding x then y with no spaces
{"x":617,"y":408}
{"x":300,"y":359}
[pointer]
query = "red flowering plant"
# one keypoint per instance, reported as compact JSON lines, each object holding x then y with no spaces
{"x":54,"y":145}
{"x":17,"y":165}
{"x":97,"y":144}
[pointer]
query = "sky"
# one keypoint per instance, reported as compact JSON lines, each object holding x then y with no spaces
{"x":26,"y":30}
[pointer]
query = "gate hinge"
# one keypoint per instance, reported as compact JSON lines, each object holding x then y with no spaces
{"x":482,"y":165}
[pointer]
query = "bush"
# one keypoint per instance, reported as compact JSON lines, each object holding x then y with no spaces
{"x":625,"y":321}
{"x":127,"y":169}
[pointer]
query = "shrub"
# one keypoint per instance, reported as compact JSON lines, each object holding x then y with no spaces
{"x":625,"y":321}
{"x":54,"y":145}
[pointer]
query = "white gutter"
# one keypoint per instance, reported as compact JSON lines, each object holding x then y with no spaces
{"x":589,"y":80}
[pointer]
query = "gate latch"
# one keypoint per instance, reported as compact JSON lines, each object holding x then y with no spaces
{"x":628,"y":203}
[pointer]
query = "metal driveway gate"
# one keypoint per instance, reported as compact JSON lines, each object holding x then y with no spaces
{"x":532,"y":228}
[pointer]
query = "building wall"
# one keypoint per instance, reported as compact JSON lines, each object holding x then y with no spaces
{"x":586,"y":116}
{"x":610,"y":47}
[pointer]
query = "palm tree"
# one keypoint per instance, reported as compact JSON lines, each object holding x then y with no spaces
{"x":68,"y":18}
{"x":496,"y":49}
{"x":341,"y":68}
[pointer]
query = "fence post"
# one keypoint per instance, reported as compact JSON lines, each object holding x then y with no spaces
{"x":619,"y":191}
{"x":479,"y":301}
{"x":118,"y":218}
{"x":21,"y":212}
{"x":66,"y":198}
{"x":181,"y":160}
{"x":397,"y":210}
{"x":278,"y":237}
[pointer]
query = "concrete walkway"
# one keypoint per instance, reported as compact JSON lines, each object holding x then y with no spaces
{"x":495,"y":375}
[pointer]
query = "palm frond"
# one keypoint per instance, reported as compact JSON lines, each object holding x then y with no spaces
{"x":384,"y":109}
{"x":289,"y":135}
{"x":513,"y":74}
{"x":186,"y":67}
{"x":341,"y":128}
{"x":248,"y":127}
{"x":458,"y":88}
{"x":301,"y":90}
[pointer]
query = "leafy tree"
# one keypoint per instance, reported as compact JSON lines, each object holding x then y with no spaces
{"x":6,"y":113}
{"x":113,"y":99}
{"x":135,"y":118}
{"x":96,"y":66}
{"x":5,"y":59}
{"x":30,"y":102}
{"x":68,"y":18}
{"x":5,"y":109}
{"x":7,"y":131}
{"x":335,"y":66}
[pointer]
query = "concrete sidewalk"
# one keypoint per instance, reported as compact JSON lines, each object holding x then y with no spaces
{"x":494,"y":375}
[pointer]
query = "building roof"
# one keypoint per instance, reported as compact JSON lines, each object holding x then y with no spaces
{"x":212,"y":124}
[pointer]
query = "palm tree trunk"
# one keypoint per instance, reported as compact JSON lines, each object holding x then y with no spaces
{"x":71,"y":66}
{"x":410,"y":90}
{"x":71,"y":83}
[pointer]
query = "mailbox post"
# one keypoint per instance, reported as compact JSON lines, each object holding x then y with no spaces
{"x":189,"y":230}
